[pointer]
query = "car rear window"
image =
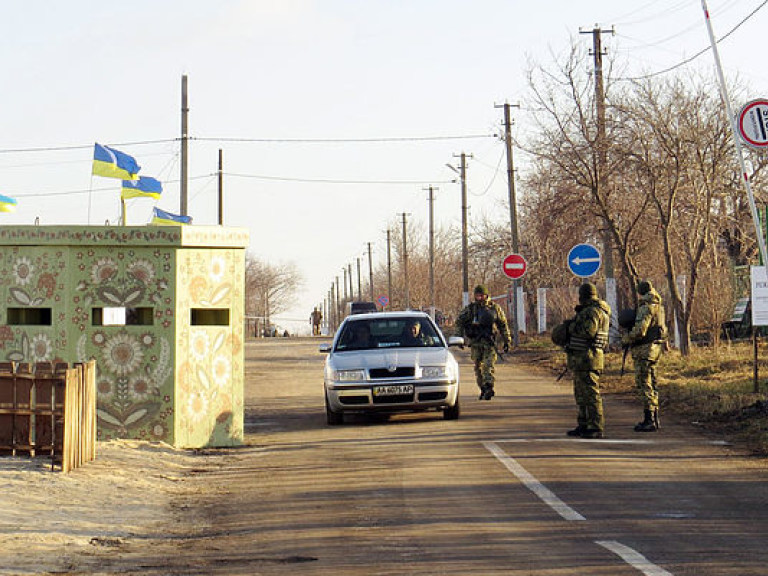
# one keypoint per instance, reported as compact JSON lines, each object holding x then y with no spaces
{"x":388,"y":333}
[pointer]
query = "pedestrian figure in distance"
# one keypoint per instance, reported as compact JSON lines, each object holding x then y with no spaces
{"x":477,"y":322}
{"x":646,"y":341}
{"x":585,"y":337}
{"x":315,"y":318}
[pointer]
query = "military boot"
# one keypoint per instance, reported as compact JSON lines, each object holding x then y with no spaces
{"x":578,"y":431}
{"x":648,"y":424}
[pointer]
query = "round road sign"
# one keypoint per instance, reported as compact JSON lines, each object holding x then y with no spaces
{"x":584,"y":260}
{"x":753,"y":123}
{"x":515,"y":266}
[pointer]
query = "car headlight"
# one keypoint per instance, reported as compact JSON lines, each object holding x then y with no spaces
{"x":348,"y":375}
{"x":434,"y":372}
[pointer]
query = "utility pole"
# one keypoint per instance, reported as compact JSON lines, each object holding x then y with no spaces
{"x":370,"y":270}
{"x":512,"y":220}
{"x":462,"y":172}
{"x":389,"y":266}
{"x":337,"y":315}
{"x":221,"y":187}
{"x":432,"y":251}
{"x":407,"y":296}
{"x":345,"y":283}
{"x":359,"y":283}
{"x":184,"y":144}
{"x":351,"y":285}
{"x":600,"y":177}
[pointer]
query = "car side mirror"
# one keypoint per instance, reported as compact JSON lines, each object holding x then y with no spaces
{"x":325,"y":348}
{"x":455,"y":341}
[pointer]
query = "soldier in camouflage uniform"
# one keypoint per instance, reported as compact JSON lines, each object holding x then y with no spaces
{"x":587,"y":338}
{"x":646,"y":340}
{"x":477,"y":322}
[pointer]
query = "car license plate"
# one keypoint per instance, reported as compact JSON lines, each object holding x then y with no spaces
{"x":394,"y":390}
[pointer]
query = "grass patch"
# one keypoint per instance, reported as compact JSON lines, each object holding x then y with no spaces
{"x":713,"y":388}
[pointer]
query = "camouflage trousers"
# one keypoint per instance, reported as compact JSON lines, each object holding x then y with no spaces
{"x":586,"y":391}
{"x":645,"y":359}
{"x":484,"y":357}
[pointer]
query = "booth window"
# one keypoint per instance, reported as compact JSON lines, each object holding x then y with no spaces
{"x":29,"y":316}
{"x":209,"y":317}
{"x":121,"y":316}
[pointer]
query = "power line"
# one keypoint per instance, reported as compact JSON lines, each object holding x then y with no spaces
{"x":700,"y":52}
{"x":346,"y":140}
{"x":257,"y":140}
{"x":333,"y":181}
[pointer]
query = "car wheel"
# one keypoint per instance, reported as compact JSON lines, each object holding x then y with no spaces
{"x":452,"y":412}
{"x":333,"y":418}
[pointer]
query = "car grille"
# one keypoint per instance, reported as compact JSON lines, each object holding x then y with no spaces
{"x":399,"y":399}
{"x":399,"y":372}
{"x":432,"y":396}
{"x":353,"y":399}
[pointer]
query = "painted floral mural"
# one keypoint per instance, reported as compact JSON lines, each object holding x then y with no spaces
{"x":158,"y":377}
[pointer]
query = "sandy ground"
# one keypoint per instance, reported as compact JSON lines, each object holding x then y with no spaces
{"x":49,"y":517}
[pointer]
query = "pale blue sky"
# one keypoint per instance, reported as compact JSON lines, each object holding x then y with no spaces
{"x":79,"y":72}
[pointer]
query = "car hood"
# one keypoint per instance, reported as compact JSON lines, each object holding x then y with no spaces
{"x":379,"y":358}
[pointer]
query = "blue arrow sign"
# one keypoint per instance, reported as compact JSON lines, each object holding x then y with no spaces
{"x":584,"y":260}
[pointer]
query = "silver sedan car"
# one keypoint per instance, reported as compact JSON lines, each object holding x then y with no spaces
{"x":390,"y":362}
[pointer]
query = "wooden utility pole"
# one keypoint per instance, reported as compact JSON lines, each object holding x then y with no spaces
{"x":359,"y":282}
{"x":406,"y":292}
{"x":600,"y":178}
{"x":389,"y":266}
{"x":512,"y":220}
{"x":221,"y":187}
{"x":462,"y":172}
{"x":432,"y":251}
{"x":184,"y":145}
{"x":370,"y":270}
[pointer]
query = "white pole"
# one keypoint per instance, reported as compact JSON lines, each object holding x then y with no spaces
{"x":734,"y":132}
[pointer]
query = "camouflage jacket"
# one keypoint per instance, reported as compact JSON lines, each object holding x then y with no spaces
{"x":588,"y":336}
{"x":477,"y":322}
{"x":650,"y":326}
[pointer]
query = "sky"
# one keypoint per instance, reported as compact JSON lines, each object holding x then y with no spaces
{"x":333,"y":116}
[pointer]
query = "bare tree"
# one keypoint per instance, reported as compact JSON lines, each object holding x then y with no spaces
{"x":269,"y":288}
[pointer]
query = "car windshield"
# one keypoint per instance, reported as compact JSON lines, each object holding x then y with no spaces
{"x":408,"y":332}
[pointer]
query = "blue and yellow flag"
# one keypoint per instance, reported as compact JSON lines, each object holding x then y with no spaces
{"x":161,"y":217}
{"x":112,"y":163}
{"x":144,"y":187}
{"x":7,"y":204}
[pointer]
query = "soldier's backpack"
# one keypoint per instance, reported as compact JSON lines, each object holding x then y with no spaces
{"x":627,"y":318}
{"x":560,"y":334}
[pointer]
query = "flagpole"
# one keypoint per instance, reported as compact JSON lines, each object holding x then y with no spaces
{"x":734,"y":133}
{"x":122,"y":205}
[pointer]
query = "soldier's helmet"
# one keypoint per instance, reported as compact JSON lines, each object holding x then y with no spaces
{"x":587,"y":291}
{"x":480,"y":289}
{"x":644,"y":287}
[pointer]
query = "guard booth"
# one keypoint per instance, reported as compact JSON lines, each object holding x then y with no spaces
{"x":159,"y":308}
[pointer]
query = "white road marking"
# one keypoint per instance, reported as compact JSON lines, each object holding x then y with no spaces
{"x":612,"y":441}
{"x":633,"y":558}
{"x":530,"y":482}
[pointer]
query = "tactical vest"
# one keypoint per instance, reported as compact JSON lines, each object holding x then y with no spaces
{"x":599,"y":342}
{"x":481,"y":325}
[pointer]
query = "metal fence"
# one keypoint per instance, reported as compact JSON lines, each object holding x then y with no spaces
{"x":49,"y":409}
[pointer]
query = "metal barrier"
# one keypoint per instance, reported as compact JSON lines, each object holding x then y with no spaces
{"x":49,"y":409}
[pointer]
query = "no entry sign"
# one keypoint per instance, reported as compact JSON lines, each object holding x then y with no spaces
{"x":753,"y":123}
{"x":515,"y":266}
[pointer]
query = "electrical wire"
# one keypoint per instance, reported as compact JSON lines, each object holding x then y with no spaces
{"x":79,"y":146}
{"x":700,"y":52}
{"x":334,"y":181}
{"x":344,"y":140}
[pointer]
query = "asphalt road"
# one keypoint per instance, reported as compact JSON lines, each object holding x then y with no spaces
{"x":500,"y":491}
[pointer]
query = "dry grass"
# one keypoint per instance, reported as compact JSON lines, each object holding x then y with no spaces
{"x":713,"y":388}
